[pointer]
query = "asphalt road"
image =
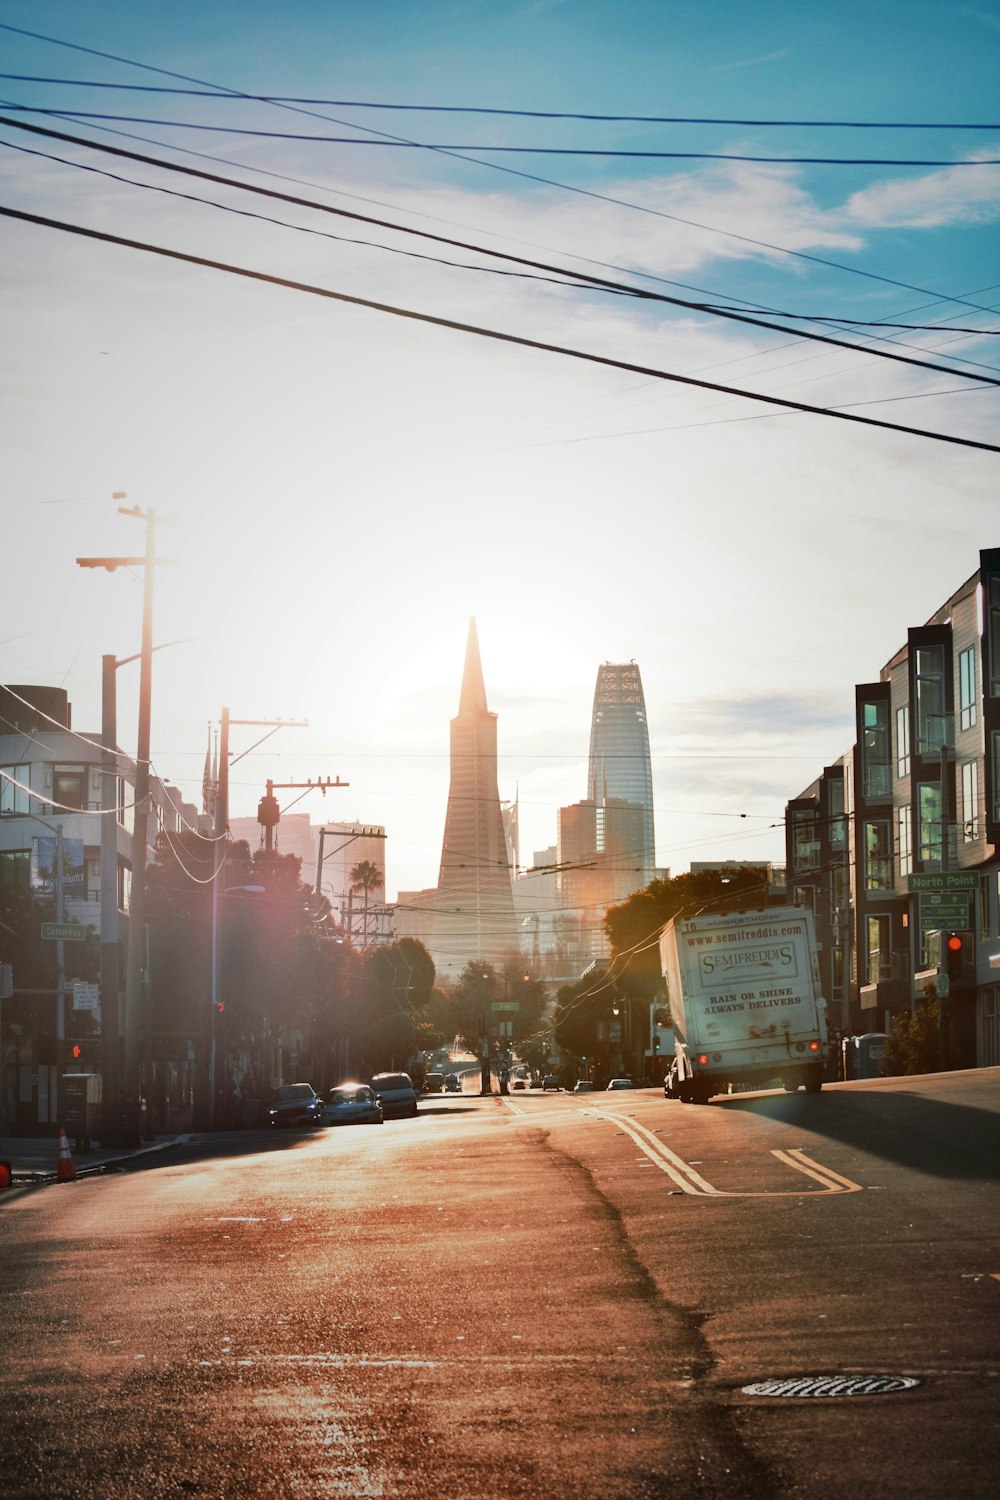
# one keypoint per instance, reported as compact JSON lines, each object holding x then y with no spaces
{"x":546,"y":1295}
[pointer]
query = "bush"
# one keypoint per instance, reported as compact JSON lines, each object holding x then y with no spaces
{"x":914,"y":1045}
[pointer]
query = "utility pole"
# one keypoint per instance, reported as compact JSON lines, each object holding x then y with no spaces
{"x":110,"y":1020}
{"x":134,"y":976}
{"x":220,"y":830}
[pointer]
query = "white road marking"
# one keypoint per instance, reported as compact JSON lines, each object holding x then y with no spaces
{"x":692,"y":1182}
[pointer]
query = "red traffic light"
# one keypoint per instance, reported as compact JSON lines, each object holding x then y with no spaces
{"x":955,"y":943}
{"x":220,"y":1006}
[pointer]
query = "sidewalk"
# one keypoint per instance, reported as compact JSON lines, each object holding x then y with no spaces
{"x":34,"y":1160}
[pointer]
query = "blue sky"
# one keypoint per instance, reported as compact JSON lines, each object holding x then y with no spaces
{"x":349,"y":488}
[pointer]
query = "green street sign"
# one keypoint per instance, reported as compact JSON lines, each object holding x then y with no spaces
{"x":947,"y":911}
{"x":945,"y":880}
{"x":505,"y":1005}
{"x":67,"y":932}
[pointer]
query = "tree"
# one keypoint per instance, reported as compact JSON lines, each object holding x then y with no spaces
{"x":634,"y":926}
{"x":914,"y":1044}
{"x":366,"y":877}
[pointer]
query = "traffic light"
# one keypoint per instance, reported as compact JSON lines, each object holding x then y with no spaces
{"x":220,"y":1007}
{"x":954,"y":948}
{"x":76,"y":1051}
{"x":656,"y":1041}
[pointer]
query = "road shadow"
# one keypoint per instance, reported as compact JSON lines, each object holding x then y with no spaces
{"x":938,"y":1137}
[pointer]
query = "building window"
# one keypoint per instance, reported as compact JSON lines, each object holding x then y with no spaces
{"x":875,"y":750}
{"x":994,"y":598}
{"x":69,"y":788}
{"x":903,"y":841}
{"x":837,"y":824}
{"x":15,"y":869}
{"x":804,"y":895}
{"x":903,"y":740}
{"x":929,"y":824}
{"x":967,"y":688}
{"x":12,"y":798}
{"x":932,"y":720}
{"x":805,"y":845}
{"x":879,"y":955}
{"x":878,"y":856}
{"x":970,"y":801}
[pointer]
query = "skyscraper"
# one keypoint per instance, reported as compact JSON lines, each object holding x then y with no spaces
{"x":471,"y":913}
{"x":620,"y":765}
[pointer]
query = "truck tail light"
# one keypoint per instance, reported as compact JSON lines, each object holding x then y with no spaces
{"x":814,"y":1046}
{"x":702,"y":1058}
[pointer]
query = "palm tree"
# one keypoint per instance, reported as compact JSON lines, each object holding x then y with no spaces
{"x":366,"y":877}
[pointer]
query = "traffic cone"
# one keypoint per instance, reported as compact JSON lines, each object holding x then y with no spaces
{"x":65,"y":1166}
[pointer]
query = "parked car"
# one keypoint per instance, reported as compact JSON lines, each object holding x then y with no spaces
{"x":295,"y":1104}
{"x":352,"y":1104}
{"x":619,"y":1083}
{"x":519,"y":1083}
{"x":452,"y":1083}
{"x":396,"y":1093}
{"x":583,"y":1086}
{"x":434,"y":1083}
{"x":551,"y":1083}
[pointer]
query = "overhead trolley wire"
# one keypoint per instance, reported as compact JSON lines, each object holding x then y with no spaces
{"x":519,"y":114}
{"x":640,"y":293}
{"x":605,"y":153}
{"x":481,"y":332}
{"x":525,"y":176}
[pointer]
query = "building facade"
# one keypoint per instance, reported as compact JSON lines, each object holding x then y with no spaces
{"x":897,"y":845}
{"x":619,"y":763}
{"x":470,"y":913}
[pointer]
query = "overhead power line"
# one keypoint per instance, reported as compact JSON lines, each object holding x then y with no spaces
{"x":518,"y":114}
{"x":481,"y":332}
{"x":639,"y":293}
{"x":495,"y":166}
{"x":606,"y":153}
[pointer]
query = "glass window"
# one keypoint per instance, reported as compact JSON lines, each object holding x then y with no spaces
{"x":970,"y":801}
{"x":838,"y":826}
{"x":903,"y":840}
{"x":69,"y":787}
{"x":12,"y":798}
{"x":878,"y":856}
{"x":15,"y":869}
{"x":967,"y":688}
{"x":879,"y":957}
{"x":805,"y":845}
{"x":903,"y":740}
{"x":985,"y":920}
{"x":932,"y":723}
{"x":929,"y":824}
{"x":875,"y":749}
{"x":994,"y":598}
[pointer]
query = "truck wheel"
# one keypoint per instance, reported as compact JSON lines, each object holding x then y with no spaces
{"x":791,"y":1084}
{"x":813,"y":1080}
{"x":700,"y":1092}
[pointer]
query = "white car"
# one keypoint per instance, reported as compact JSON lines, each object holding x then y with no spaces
{"x":619,"y":1083}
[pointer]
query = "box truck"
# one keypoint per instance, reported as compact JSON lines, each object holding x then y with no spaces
{"x":744,"y":999}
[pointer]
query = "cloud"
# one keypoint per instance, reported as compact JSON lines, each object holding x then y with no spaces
{"x":754,"y":62}
{"x":954,"y":195}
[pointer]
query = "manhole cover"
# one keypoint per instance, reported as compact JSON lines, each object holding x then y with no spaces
{"x":833,"y":1385}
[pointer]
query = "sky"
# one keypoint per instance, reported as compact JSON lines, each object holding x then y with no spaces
{"x":341,"y":488}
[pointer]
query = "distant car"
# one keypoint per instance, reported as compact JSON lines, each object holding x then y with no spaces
{"x":434,"y":1083}
{"x":352,"y":1104}
{"x":396,"y":1093}
{"x":295,"y":1104}
{"x":452,"y":1083}
{"x":583,"y":1086}
{"x":537,"y":1083}
{"x":619,"y":1083}
{"x":551,"y":1083}
{"x":519,"y":1083}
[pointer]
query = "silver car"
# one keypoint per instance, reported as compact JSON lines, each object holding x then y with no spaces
{"x":352,"y":1104}
{"x":396,"y":1093}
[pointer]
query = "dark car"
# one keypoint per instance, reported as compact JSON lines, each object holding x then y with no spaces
{"x":396,"y":1093}
{"x":352,"y":1104}
{"x":434,"y":1083}
{"x":452,"y":1083}
{"x":295,"y":1104}
{"x":551,"y":1083}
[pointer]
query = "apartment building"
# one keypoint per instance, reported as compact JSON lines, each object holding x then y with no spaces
{"x":898,"y":844}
